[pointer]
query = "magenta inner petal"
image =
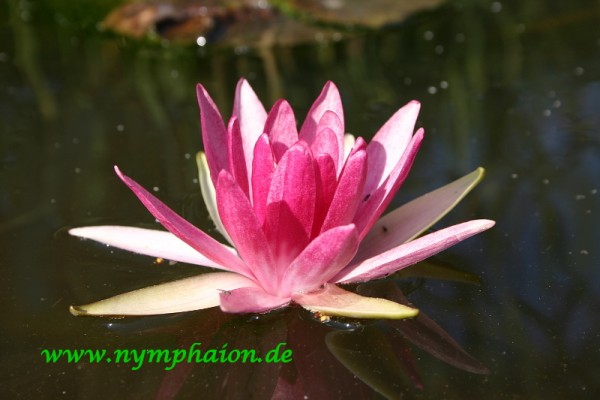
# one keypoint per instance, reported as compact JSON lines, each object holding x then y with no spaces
{"x":324,"y":257}
{"x":348,"y":194}
{"x":245,"y":232}
{"x":263,"y":166}
{"x":251,"y":114}
{"x":281,"y":128}
{"x":326,"y":143}
{"x":291,"y":205}
{"x":326,"y":183}
{"x":328,"y":100}
{"x":214,"y":134}
{"x":331,"y":121}
{"x":237,"y":162}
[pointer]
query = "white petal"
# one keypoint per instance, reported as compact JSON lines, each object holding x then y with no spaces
{"x":334,"y":301}
{"x":349,"y":141}
{"x":149,"y":242}
{"x":195,"y":293}
{"x":209,"y":194}
{"x":412,"y":219}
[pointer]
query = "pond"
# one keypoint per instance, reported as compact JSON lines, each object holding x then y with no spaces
{"x":513,"y":87}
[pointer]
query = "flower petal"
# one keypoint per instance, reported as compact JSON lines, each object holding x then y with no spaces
{"x":250,"y":300}
{"x":251,"y":114}
{"x":324,"y":257}
{"x":348,"y":195}
{"x":334,"y":143}
{"x":281,"y":128}
{"x":149,"y":242}
{"x":410,"y":253}
{"x":389,"y":143}
{"x":326,"y":183}
{"x":349,"y":141}
{"x":242,"y":225}
{"x":326,"y":143}
{"x":185,"y":231}
{"x":328,"y":100}
{"x":332,"y":300}
{"x":209,"y":194}
{"x":194,"y":293}
{"x":263,"y":166}
{"x":291,"y":205}
{"x":409,"y":221}
{"x":237,"y":163}
{"x":376,"y":202}
{"x":214,"y":134}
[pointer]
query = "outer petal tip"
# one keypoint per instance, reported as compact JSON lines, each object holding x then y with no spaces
{"x":118,"y":171}
{"x":77,"y":311}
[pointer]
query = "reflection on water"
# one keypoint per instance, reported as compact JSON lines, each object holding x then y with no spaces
{"x":512,"y":87}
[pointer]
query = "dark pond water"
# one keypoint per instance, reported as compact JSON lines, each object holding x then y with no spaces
{"x":511,"y":86}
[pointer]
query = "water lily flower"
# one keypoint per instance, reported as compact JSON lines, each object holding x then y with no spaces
{"x":300,"y":210}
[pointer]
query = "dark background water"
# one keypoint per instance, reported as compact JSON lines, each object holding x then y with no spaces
{"x":511,"y":86}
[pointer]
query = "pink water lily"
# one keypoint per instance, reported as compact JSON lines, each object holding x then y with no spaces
{"x":300,"y":210}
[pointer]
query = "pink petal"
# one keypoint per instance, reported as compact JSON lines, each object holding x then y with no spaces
{"x":332,"y":300}
{"x":324,"y":257}
{"x":412,"y":219}
{"x":348,"y":192}
{"x":326,"y":183}
{"x":335,"y":141}
{"x":263,"y":166}
{"x":251,"y":114}
{"x":281,"y":128}
{"x":245,"y":232}
{"x":291,"y":205}
{"x":149,"y":242}
{"x":326,"y":143}
{"x":411,"y":252}
{"x":328,"y":100}
{"x":389,"y":144}
{"x":185,"y":231}
{"x":250,"y":300}
{"x":375,"y":203}
{"x":214,"y":135}
{"x":237,"y":165}
{"x":189,"y":294}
